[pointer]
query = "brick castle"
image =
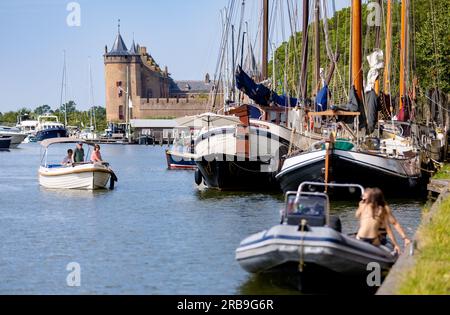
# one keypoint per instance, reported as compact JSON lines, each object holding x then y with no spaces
{"x":152,"y":92}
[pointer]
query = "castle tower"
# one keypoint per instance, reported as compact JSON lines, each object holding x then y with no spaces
{"x":136,"y":69}
{"x":118,"y":61}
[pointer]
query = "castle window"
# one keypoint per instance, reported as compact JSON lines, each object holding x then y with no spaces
{"x":120,"y":90}
{"x":121,"y":113}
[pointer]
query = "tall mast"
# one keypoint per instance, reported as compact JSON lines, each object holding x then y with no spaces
{"x":317,"y":44}
{"x":64,"y":89}
{"x":377,"y":46}
{"x":387,"y":66}
{"x":265,"y":52}
{"x":403,"y":59}
{"x":357,"y":75}
{"x":304,"y":72}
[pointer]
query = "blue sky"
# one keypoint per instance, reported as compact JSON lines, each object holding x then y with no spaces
{"x":182,"y":34}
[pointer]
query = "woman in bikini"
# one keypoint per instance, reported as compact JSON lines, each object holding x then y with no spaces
{"x":373,"y":216}
{"x":391,"y":221}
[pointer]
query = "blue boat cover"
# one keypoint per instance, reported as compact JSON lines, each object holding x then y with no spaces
{"x":322,"y":100}
{"x":259,"y":93}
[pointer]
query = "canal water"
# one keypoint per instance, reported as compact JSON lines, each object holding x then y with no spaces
{"x":156,"y":233}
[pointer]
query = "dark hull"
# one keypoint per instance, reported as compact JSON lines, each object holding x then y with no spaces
{"x":311,"y":173}
{"x":51,"y":133}
{"x":236,"y":175}
{"x":179,"y":162}
{"x":313,"y":280}
{"x":353,"y":171}
{"x":5,"y":143}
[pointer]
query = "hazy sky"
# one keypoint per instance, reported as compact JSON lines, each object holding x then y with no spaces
{"x":182,"y":34}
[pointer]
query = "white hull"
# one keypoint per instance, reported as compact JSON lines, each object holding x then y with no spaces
{"x":84,"y":177}
{"x":265,"y":142}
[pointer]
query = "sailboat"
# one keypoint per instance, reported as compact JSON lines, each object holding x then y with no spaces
{"x":391,"y":164}
{"x":48,"y":125}
{"x":248,"y":154}
{"x":89,"y":133}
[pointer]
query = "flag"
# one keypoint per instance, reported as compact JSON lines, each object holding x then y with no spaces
{"x":130,"y":103}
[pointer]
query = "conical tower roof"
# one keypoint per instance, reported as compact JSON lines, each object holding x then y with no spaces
{"x":119,"y":48}
{"x":133,"y":49}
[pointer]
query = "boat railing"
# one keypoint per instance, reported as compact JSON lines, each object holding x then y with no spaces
{"x":328,"y":185}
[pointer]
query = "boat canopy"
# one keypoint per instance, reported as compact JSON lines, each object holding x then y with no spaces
{"x":49,"y":142}
{"x":207,"y":120}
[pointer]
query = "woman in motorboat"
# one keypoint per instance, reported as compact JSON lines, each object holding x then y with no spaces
{"x":96,"y":156}
{"x":373,"y":218}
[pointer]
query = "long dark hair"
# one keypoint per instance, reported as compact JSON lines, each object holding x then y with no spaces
{"x":375,"y":199}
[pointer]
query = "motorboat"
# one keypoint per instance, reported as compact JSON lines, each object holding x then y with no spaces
{"x":27,"y":126}
{"x":49,"y":127}
{"x":16,"y":136}
{"x":5,"y":142}
{"x":310,"y":239}
{"x":83,"y":176}
{"x":181,"y":154}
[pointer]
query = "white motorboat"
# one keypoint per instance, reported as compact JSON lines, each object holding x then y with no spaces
{"x":309,"y":239}
{"x":84,"y":176}
{"x":16,"y":136}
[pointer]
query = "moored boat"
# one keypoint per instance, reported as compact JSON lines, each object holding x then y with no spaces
{"x":16,"y":136}
{"x":5,"y":142}
{"x":83,"y":176}
{"x":181,"y":154}
{"x":49,"y":127}
{"x":177,"y":160}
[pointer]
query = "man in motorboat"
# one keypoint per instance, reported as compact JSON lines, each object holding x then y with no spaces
{"x":68,"y":160}
{"x":376,"y":219}
{"x":79,"y":153}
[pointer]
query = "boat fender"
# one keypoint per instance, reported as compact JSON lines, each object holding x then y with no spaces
{"x":198,"y":177}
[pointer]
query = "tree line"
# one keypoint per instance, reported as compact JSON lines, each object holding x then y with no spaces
{"x":429,"y":38}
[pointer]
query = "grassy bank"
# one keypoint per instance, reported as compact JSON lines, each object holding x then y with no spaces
{"x":431,"y":273}
{"x":444,"y":173}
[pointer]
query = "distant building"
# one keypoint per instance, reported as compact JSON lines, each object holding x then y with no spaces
{"x":153,"y":93}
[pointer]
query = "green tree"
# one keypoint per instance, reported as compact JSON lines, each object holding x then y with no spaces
{"x":43,"y":109}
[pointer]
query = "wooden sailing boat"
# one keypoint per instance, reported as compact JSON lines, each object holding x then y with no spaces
{"x":247,"y":155}
{"x":391,"y":164}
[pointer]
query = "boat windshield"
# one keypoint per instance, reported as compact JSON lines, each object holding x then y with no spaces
{"x":309,"y":205}
{"x":56,"y":154}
